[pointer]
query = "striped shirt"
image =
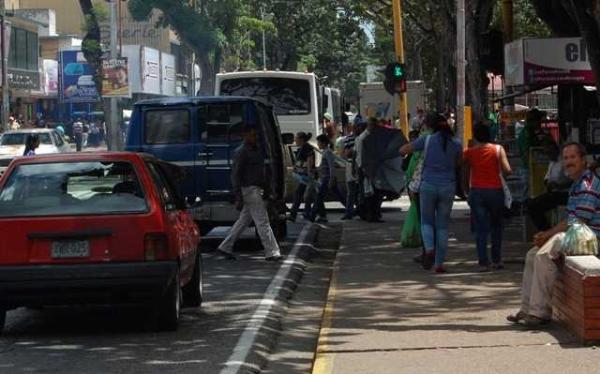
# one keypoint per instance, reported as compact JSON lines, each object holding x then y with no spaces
{"x":349,"y":141}
{"x":584,"y":202}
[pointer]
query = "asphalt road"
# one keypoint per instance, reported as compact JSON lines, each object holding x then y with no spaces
{"x":112,"y":340}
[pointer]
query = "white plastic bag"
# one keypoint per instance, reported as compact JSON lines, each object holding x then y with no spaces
{"x":579,"y":240}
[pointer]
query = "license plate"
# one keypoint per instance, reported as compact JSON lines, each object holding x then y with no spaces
{"x":71,"y":249}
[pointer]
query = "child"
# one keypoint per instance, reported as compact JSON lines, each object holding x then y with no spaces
{"x":326,"y":172}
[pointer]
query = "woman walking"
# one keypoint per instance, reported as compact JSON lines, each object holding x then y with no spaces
{"x":484,"y":164}
{"x":304,"y":171}
{"x":437,"y":188}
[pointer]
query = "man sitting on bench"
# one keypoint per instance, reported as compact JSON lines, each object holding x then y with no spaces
{"x":541,"y":262}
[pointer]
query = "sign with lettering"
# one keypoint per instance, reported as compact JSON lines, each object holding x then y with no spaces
{"x":115,"y":78}
{"x":547,"y":62}
{"x":23,"y":79}
{"x":76,"y":79}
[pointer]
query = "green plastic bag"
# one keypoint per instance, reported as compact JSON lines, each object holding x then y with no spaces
{"x":579,"y":240}
{"x":411,"y":230}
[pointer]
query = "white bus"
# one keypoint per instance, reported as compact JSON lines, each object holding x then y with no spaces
{"x":295,"y":96}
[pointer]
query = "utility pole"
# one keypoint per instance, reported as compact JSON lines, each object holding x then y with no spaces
{"x":114,"y":127}
{"x":264,"y":40}
{"x":399,"y":44}
{"x":461,"y":63}
{"x":4,"y":53}
{"x":508,"y":29}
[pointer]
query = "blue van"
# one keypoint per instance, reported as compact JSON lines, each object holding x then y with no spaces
{"x":202,"y":134}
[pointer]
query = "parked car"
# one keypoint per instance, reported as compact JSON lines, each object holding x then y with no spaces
{"x":12,"y":144}
{"x":97,"y":228}
{"x":202,"y":134}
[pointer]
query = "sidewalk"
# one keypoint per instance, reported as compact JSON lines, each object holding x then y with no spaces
{"x":385,"y":314}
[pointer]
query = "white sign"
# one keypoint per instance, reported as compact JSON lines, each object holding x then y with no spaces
{"x":168,"y":74}
{"x":151,"y":72}
{"x":547,"y":61}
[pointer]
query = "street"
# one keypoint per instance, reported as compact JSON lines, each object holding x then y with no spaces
{"x":110,"y":340}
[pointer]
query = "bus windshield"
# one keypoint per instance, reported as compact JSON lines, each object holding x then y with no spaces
{"x":288,"y":96}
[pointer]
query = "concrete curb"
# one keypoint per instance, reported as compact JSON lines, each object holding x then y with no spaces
{"x":257,"y":341}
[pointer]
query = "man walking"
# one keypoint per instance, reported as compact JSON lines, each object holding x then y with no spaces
{"x":78,"y":134}
{"x":248,"y":179}
{"x":541,"y":262}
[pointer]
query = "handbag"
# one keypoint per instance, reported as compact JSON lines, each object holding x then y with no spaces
{"x":415,"y":181}
{"x":507,"y":195}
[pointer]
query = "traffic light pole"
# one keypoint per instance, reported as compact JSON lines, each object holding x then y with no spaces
{"x":399,"y":44}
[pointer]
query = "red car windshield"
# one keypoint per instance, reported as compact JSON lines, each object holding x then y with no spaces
{"x":72,"y":188}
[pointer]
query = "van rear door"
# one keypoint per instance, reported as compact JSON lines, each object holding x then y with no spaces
{"x":220,"y":126}
{"x":167,"y":133}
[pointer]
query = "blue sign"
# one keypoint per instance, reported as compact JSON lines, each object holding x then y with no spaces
{"x":76,"y":79}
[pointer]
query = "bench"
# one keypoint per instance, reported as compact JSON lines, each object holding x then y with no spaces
{"x":576,"y":297}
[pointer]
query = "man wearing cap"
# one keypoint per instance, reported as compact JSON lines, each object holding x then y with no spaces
{"x":248,"y":180}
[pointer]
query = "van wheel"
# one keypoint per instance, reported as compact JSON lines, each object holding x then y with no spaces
{"x":2,"y":319}
{"x":170,"y":305}
{"x":193,"y":291}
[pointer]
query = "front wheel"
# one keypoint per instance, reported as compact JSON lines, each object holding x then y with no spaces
{"x":2,"y":319}
{"x":193,"y":291}
{"x":170,"y":305}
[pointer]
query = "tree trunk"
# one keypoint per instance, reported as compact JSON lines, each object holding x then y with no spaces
{"x":207,"y":83}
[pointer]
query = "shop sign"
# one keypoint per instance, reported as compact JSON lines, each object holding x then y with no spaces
{"x":76,"y":79}
{"x":115,"y":80}
{"x":547,"y":62}
{"x":23,"y":79}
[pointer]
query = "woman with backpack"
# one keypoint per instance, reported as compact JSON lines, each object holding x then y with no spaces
{"x":485,"y":163}
{"x":442,"y":156}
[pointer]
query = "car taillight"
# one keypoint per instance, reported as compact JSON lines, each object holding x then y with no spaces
{"x":156,"y":247}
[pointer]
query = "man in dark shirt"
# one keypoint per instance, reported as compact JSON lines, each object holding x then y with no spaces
{"x":248,"y":178}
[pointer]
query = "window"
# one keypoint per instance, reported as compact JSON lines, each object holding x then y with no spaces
{"x":288,"y":96}
{"x":19,"y":138}
{"x":164,"y":190}
{"x":24,"y":50}
{"x":72,"y":188}
{"x":59,"y":140}
{"x":222,"y":123}
{"x":167,"y":126}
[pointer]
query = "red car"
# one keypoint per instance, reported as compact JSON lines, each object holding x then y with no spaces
{"x":97,"y":228}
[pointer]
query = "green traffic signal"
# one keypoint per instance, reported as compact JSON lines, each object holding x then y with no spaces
{"x":398,"y":71}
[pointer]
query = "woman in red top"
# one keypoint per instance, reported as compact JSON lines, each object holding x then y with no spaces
{"x":482,"y":163}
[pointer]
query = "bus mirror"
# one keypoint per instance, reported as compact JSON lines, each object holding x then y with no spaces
{"x":288,"y":138}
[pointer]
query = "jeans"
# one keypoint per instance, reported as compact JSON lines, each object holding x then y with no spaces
{"x":436,"y":206}
{"x":299,"y":196}
{"x":487,"y":207}
{"x":351,"y":198}
{"x":319,"y":205}
{"x":539,"y":206}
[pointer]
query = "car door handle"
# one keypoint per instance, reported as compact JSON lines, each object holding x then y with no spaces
{"x":205,"y":154}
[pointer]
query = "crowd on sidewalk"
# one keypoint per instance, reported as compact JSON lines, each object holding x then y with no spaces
{"x":439,"y":167}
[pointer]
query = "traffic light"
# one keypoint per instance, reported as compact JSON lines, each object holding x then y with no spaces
{"x":395,"y":78}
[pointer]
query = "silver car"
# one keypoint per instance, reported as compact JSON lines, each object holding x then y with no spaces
{"x":12,"y":144}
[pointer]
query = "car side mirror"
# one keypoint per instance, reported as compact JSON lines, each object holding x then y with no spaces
{"x":288,"y":138}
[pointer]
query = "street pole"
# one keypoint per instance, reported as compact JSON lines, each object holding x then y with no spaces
{"x":508,"y":28}
{"x":399,"y":45}
{"x":5,"y":93}
{"x":460,"y":68}
{"x":115,"y":133}
{"x":264,"y":41}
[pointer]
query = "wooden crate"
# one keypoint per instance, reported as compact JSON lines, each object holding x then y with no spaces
{"x":576,"y":303}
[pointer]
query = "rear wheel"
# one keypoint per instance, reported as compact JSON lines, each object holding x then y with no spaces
{"x":170,"y":305}
{"x":192,"y":292}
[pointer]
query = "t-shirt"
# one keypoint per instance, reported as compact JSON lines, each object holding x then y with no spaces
{"x":439,"y":166}
{"x":484,"y":165}
{"x":584,"y":202}
{"x":302,"y":155}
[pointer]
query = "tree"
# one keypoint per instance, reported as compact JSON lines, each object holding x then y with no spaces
{"x":575,"y":18}
{"x":205,"y":26}
{"x":90,"y":46}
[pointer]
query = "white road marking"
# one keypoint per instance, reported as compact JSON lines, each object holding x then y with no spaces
{"x":248,"y":337}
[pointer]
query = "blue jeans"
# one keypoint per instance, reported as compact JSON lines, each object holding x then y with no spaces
{"x":298,"y":198}
{"x":351,"y":198}
{"x":319,"y":205}
{"x":487,"y":207}
{"x":436,"y":206}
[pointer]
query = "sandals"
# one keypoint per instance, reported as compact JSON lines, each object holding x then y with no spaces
{"x":516,"y":318}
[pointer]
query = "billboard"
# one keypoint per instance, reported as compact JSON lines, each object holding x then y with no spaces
{"x":547,"y":62}
{"x":168,"y":74}
{"x":50,"y":77}
{"x":115,"y":78}
{"x":151,"y":71}
{"x":76,"y":83}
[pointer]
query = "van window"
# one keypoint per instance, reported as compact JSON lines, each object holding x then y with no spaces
{"x":222,"y":123}
{"x":170,"y":126}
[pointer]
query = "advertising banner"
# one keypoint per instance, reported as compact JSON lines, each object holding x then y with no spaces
{"x":50,"y":77}
{"x":548,"y":62}
{"x":151,"y":73}
{"x":115,"y":78}
{"x":76,"y":83}
{"x":168,"y":74}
